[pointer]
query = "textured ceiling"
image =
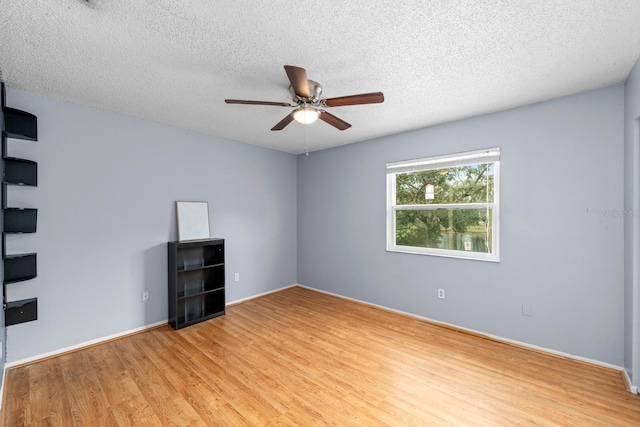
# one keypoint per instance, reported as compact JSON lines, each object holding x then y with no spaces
{"x":175,"y":62}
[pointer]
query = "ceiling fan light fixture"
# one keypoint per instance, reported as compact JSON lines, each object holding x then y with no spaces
{"x":306,"y":115}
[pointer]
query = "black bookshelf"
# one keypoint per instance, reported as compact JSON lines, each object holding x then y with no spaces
{"x":196,"y":281}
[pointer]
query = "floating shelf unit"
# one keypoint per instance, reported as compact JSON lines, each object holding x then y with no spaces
{"x":196,"y":281}
{"x":19,"y":172}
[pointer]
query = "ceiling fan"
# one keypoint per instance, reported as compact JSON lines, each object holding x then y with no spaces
{"x":309,"y":107}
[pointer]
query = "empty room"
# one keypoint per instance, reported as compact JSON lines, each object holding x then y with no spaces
{"x":302,"y":213}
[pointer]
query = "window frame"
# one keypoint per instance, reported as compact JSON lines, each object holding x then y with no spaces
{"x":484,"y":156}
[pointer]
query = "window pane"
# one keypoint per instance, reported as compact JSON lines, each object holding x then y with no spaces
{"x":461,"y":184}
{"x":454,"y":229}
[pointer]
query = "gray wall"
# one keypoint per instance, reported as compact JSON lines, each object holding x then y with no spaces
{"x":631,"y":227}
{"x":106,"y":199}
{"x":561,"y":228}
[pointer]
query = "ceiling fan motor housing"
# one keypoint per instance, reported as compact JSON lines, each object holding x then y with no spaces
{"x":315,"y":89}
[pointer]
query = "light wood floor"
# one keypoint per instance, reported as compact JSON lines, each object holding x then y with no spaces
{"x":299,"y":357}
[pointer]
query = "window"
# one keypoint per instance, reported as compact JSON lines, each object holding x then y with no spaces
{"x":445,"y":205}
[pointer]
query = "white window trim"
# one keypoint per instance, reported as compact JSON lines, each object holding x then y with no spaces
{"x":491,"y":155}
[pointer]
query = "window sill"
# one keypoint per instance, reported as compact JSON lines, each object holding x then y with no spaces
{"x":474,"y":256}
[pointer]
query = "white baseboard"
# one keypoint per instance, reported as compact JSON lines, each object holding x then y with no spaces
{"x":491,"y":336}
{"x":81,"y":345}
{"x":632,"y":388}
{"x":261,"y":295}
{"x":4,"y":377}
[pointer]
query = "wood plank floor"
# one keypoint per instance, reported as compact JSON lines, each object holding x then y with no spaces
{"x":299,"y":357}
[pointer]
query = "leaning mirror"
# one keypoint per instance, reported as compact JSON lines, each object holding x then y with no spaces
{"x":193,"y":220}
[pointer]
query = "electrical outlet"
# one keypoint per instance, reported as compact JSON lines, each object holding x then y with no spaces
{"x":236,"y":277}
{"x":145,"y":296}
{"x":441,"y":293}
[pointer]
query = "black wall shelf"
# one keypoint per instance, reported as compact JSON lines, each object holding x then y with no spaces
{"x":20,"y":220}
{"x":21,"y":311}
{"x":20,"y":125}
{"x":18,"y":267}
{"x":20,"y":172}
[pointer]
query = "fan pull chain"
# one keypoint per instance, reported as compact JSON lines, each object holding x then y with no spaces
{"x":306,"y":140}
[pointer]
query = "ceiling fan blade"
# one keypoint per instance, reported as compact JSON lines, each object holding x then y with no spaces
{"x":243,"y":101}
{"x":334,"y":121}
{"x":283,"y":123}
{"x":299,"y":82}
{"x":363,"y":98}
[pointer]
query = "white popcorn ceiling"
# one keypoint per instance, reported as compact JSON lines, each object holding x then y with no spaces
{"x":175,"y":62}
